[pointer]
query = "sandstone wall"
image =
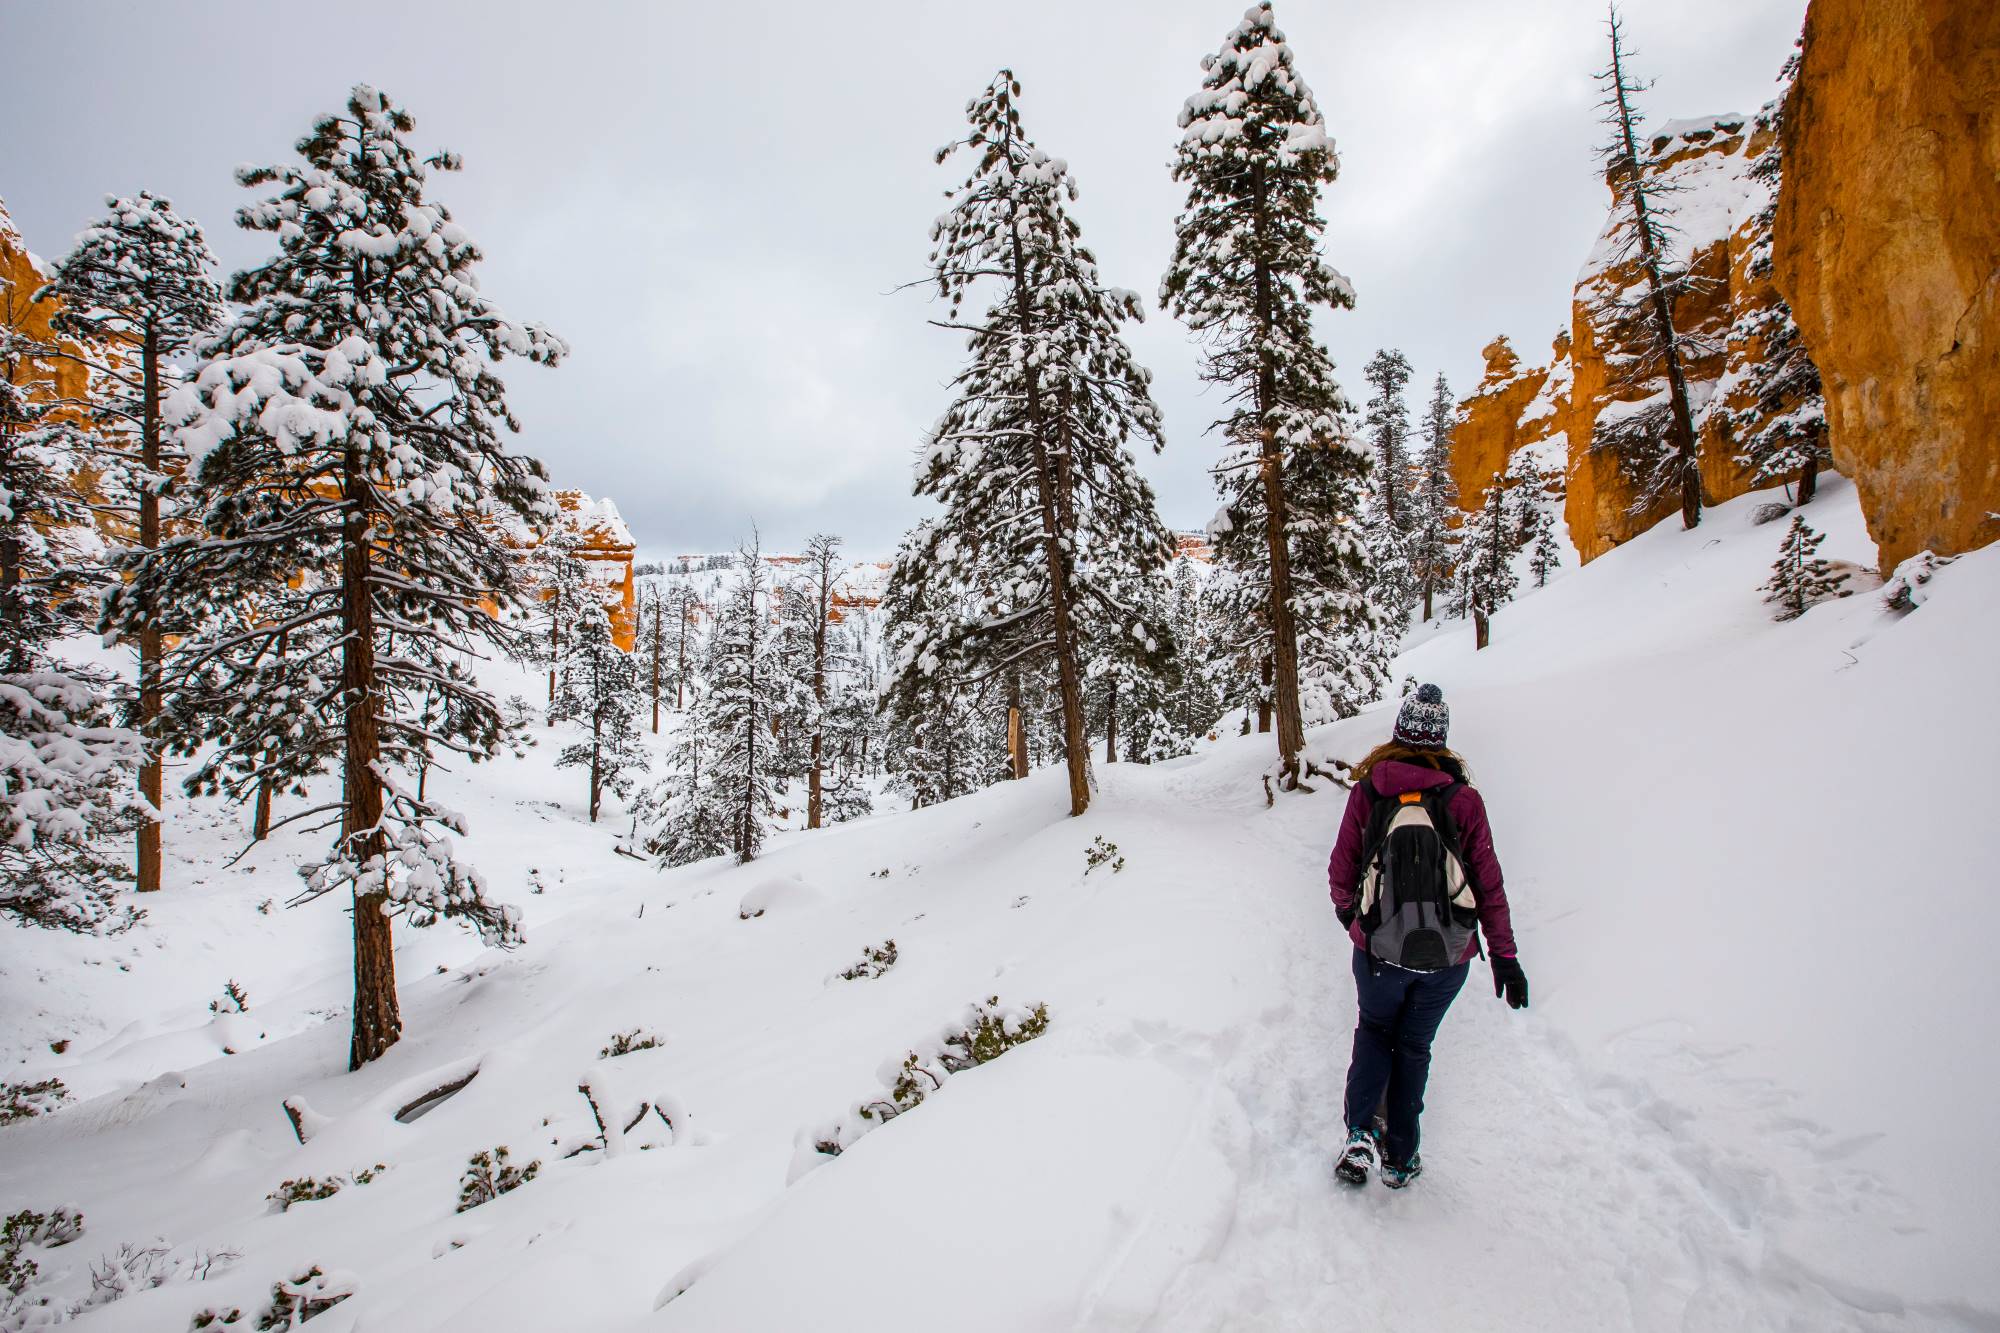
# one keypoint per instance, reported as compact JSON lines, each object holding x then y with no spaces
{"x":1492,"y":423}
{"x":20,"y":279}
{"x":1515,"y":408}
{"x":1888,"y":248}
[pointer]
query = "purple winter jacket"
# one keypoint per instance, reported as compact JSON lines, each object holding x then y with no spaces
{"x":1392,"y":777}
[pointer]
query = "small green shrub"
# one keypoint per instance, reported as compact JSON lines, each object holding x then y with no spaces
{"x":624,"y":1043}
{"x":488,"y":1176}
{"x":875,"y":960}
{"x":311,"y":1293}
{"x":1101,"y":853}
{"x":23,"y":1101}
{"x":986,"y":1031}
{"x":998,"y":1031}
{"x":307,"y":1189}
{"x":235,"y":1000}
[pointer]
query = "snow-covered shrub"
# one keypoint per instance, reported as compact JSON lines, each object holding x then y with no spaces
{"x":306,"y":1189}
{"x":487,"y":1176}
{"x":20,"y":1101}
{"x":624,"y":1043}
{"x":1907,"y":588}
{"x":235,"y":1000}
{"x":135,"y":1268}
{"x":983,"y":1032}
{"x":130,"y":1268}
{"x":48,"y":1230}
{"x":312,"y":1292}
{"x":16,"y":1269}
{"x":1101,"y":853}
{"x":875,"y":960}
{"x":216,"y":1317}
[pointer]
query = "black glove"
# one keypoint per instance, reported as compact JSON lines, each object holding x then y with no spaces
{"x":1510,"y":981}
{"x":1346,"y":915}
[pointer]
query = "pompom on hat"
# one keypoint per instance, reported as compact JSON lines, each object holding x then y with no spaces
{"x":1424,"y":720}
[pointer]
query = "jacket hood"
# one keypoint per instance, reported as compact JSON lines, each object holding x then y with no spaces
{"x":1393,"y":777}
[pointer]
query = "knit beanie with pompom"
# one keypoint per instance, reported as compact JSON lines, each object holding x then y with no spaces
{"x":1424,"y":719}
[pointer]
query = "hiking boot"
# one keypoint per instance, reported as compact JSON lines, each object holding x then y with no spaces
{"x":1395,"y":1177}
{"x":1358,"y":1158}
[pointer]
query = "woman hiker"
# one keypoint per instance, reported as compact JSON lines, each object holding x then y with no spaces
{"x":1415,"y":881}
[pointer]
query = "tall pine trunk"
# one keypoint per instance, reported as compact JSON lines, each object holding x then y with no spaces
{"x":555,"y":650}
{"x":1111,"y":724}
{"x":815,"y":780}
{"x":1264,"y":700}
{"x":1270,"y":469}
{"x":596,"y":765}
{"x":744,"y":851}
{"x":681,"y":661}
{"x":1681,"y":436}
{"x":377,"y":1021}
{"x":658,"y":630}
{"x":1809,"y":477}
{"x":150,"y":771}
{"x":1068,"y":680}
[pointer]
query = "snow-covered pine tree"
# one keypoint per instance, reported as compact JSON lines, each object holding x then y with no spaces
{"x":1781,"y":430}
{"x":137,"y":292}
{"x":1544,"y":552}
{"x":745,"y":692}
{"x":670,"y":616}
{"x":943,"y":749}
{"x":684,"y":815}
{"x":1246,"y":276}
{"x":1800,"y":579}
{"x":1045,"y":513}
{"x":563,"y":591}
{"x":1388,"y":426}
{"x":928,"y":742}
{"x":597,"y":688}
{"x":347,"y":476}
{"x":1131,"y":674}
{"x":1195,"y":703}
{"x":65,"y":770}
{"x":655,"y":633}
{"x":826,"y":667}
{"x":1486,"y":558}
{"x":1657,"y":438}
{"x":1433,"y":531}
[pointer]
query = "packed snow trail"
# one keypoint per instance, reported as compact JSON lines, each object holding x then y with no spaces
{"x":1722,"y":1112}
{"x":1550,"y":1199}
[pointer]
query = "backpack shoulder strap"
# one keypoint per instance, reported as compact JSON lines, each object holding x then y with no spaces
{"x":1447,"y":827}
{"x":1380,"y":811}
{"x":1438,"y":800}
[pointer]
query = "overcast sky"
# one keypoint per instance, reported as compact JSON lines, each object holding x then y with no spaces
{"x":715,"y":203}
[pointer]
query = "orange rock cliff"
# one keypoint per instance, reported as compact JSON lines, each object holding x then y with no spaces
{"x":1887,"y":245}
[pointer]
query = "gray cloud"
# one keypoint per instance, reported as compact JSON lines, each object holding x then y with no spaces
{"x":716,"y":204}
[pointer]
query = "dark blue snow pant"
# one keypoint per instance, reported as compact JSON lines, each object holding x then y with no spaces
{"x":1400,"y":1014}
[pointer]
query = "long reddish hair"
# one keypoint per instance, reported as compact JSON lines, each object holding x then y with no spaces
{"x":1441,"y":759}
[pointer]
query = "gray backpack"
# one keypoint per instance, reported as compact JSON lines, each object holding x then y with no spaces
{"x":1416,"y":907}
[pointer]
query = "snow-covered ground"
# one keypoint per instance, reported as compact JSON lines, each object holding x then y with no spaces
{"x":1750,"y":864}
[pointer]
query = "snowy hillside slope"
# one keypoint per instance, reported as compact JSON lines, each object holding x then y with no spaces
{"x":1749,"y":1094}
